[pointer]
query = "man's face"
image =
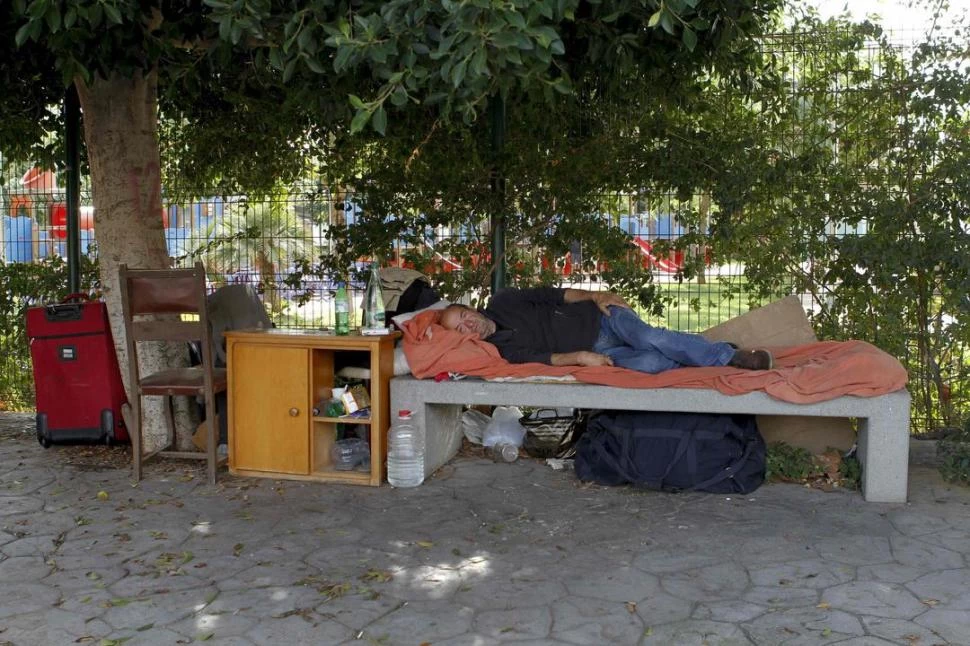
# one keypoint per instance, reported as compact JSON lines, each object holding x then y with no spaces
{"x":467,"y":321}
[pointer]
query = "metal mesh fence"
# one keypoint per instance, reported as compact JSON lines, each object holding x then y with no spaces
{"x":260,"y":242}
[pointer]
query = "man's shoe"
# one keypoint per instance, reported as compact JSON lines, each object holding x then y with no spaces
{"x":751,"y":360}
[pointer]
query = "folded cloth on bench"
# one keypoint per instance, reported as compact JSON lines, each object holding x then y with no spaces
{"x":803,"y":374}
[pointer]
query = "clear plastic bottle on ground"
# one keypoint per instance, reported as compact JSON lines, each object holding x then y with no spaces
{"x":504,"y":452}
{"x":349,"y":453}
{"x":405,"y":452}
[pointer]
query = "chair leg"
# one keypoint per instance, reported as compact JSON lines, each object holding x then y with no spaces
{"x":212,"y":438}
{"x":212,"y":446}
{"x":135,"y":433}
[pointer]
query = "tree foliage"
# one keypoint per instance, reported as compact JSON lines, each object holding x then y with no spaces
{"x":455,"y":55}
{"x":853,"y":193}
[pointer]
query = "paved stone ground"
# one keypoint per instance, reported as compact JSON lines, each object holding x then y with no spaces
{"x":483,"y":553}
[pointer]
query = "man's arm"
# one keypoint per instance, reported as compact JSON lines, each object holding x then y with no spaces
{"x":581,"y":358}
{"x":603,"y":300}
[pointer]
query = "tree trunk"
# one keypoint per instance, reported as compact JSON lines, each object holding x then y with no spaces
{"x":121,"y":134}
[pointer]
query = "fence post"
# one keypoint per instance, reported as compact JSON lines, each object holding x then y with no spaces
{"x":72,"y":135}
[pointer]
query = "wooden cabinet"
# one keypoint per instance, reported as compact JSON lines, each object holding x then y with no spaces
{"x":276,"y":377}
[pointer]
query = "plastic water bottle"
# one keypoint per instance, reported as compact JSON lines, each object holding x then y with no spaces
{"x":341,"y":308}
{"x":349,"y":453}
{"x":504,"y":452}
{"x":405,"y":452}
{"x":374,"y":300}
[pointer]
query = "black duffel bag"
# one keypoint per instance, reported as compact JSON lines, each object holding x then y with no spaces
{"x":673,"y":451}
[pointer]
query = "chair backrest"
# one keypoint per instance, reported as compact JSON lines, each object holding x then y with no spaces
{"x":164,"y":291}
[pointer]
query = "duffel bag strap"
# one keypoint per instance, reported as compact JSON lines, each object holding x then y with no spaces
{"x":682,"y":446}
{"x":728,"y":471}
{"x":599,"y":448}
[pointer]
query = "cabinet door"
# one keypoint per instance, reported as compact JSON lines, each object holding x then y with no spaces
{"x":271,"y":410}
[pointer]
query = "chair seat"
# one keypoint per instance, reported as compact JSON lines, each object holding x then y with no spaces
{"x":181,"y":381}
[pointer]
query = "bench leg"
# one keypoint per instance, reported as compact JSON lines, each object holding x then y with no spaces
{"x":884,"y":453}
{"x":443,"y":435}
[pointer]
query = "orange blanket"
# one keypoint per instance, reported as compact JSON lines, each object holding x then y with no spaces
{"x":803,"y":374}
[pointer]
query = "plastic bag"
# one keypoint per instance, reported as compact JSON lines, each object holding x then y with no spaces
{"x":473,"y":425}
{"x":504,"y":427}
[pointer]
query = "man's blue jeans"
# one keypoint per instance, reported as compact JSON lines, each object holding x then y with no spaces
{"x":633,"y":344}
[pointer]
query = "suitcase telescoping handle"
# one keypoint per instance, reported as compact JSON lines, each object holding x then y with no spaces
{"x":68,"y":309}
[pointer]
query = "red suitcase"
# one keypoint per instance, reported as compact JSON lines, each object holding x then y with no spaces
{"x":76,"y":377}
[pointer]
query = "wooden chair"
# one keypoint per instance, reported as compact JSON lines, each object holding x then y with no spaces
{"x":146,"y":293}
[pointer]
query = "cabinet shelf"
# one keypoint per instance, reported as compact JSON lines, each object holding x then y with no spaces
{"x":274,"y":379}
{"x":365,"y":421}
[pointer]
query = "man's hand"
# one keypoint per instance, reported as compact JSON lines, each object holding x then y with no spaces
{"x":603,"y":300}
{"x":581,"y":358}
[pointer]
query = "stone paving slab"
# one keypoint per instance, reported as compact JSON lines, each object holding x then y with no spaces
{"x":482,"y":553}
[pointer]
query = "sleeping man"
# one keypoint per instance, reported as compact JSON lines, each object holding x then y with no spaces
{"x":574,"y":327}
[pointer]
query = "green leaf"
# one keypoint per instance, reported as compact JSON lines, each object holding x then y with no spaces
{"x":515,"y":19}
{"x":356,"y":102}
{"x":53,"y":18}
{"x":289,"y":69}
{"x":314,"y":65}
{"x":689,"y":38}
{"x":22,"y":34}
{"x":458,"y":73}
{"x":379,"y":122}
{"x":360,"y":120}
{"x":667,"y":23}
{"x":276,"y":58}
{"x":70,"y":18}
{"x":399,"y":97}
{"x":505,"y":39}
{"x":37,"y":8}
{"x":112,"y":14}
{"x":655,"y":18}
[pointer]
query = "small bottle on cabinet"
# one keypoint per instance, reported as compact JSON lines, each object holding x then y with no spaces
{"x":374,"y":300}
{"x":341,"y":308}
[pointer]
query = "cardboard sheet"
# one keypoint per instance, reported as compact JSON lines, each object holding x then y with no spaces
{"x":784,"y":323}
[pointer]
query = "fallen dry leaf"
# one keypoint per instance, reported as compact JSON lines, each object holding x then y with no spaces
{"x":631,"y":606}
{"x":824,"y":605}
{"x":380,"y":576}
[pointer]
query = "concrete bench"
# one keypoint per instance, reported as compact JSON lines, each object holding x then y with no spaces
{"x":883,"y":422}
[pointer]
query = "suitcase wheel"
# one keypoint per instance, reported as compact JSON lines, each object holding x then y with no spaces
{"x":42,"y":435}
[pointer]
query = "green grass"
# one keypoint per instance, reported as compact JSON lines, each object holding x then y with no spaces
{"x":698,"y":307}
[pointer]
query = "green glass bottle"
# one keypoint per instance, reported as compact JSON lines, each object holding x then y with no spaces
{"x":341,"y":307}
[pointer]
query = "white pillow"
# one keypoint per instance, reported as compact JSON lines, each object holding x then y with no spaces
{"x":407,"y":316}
{"x":401,"y":365}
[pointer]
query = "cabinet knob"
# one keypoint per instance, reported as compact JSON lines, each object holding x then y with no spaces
{"x":294,"y":412}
